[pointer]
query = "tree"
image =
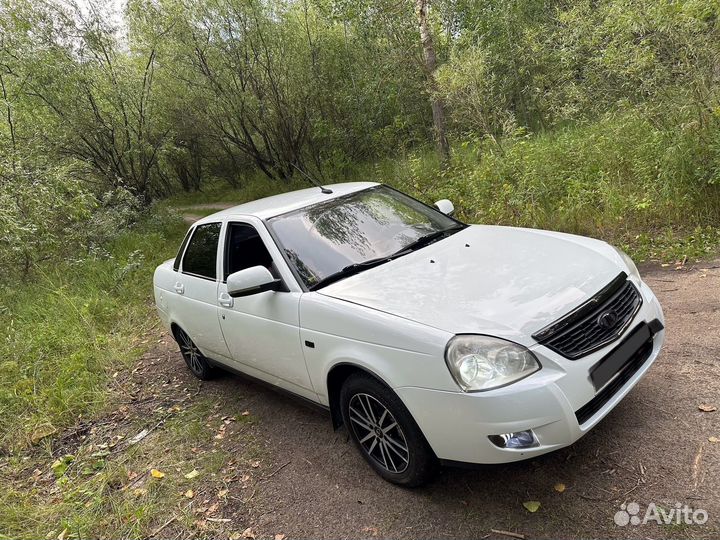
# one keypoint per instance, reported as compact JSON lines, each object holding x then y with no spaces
{"x":438,"y":108}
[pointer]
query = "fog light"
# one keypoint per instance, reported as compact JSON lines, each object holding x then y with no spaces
{"x":519,"y":439}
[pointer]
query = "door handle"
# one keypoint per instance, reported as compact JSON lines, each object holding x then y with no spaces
{"x":226,"y":300}
{"x":179,"y":288}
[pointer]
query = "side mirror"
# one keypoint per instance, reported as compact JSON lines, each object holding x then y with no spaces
{"x":445,"y":206}
{"x":250,"y":281}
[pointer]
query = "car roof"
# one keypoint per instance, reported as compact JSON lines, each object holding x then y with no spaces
{"x":286,"y":202}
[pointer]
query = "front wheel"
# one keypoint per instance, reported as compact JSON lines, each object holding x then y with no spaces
{"x":194,"y":359}
{"x":385,"y":433}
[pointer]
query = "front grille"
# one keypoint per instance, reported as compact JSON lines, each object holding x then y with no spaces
{"x":587,"y":411}
{"x":596,"y":323}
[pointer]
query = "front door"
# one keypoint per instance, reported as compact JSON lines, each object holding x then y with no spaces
{"x":262,"y":330}
{"x":195,"y":292}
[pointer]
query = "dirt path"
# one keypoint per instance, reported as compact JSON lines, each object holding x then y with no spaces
{"x":191,"y":214}
{"x":653,"y":448}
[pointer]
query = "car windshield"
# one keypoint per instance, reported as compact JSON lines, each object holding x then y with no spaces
{"x":324,"y":240}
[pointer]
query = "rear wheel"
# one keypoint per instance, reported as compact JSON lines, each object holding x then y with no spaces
{"x":385,"y":433}
{"x":194,"y":359}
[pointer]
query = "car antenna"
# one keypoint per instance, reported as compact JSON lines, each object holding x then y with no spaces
{"x":324,"y":190}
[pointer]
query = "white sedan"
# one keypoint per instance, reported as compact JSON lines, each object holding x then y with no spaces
{"x":431,"y":340}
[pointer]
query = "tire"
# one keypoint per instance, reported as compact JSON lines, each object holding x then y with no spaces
{"x":384,"y":432}
{"x":195,"y":360}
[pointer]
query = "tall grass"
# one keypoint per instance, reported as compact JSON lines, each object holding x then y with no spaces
{"x":653,"y":189}
{"x":66,"y":333}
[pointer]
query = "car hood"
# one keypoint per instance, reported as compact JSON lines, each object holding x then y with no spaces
{"x":503,"y":281}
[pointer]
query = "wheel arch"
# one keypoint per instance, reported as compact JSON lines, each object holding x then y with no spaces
{"x":336,"y":377}
{"x":174,"y":327}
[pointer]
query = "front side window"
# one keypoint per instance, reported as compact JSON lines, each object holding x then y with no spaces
{"x":245,"y":249}
{"x":325,"y":239}
{"x":201,"y":254}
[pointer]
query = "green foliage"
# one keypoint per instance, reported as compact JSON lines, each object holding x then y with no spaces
{"x":41,"y":213}
{"x":65,"y":334}
{"x":621,"y":179}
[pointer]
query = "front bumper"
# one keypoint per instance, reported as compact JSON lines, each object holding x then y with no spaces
{"x":457,"y":424}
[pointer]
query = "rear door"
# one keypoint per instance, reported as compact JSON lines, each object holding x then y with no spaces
{"x":262,"y":330}
{"x":196,"y":291}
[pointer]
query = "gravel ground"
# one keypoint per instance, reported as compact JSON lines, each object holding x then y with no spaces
{"x":653,"y":448}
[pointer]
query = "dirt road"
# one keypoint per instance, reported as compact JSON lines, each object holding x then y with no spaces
{"x":653,"y":448}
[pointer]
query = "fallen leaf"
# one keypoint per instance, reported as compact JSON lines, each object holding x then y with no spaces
{"x":235,"y":536}
{"x":212,"y":509}
{"x":248,"y":533}
{"x":156,"y":474}
{"x":531,"y":506}
{"x":41,"y":432}
{"x":707,"y":407}
{"x":192,"y":474}
{"x":713,"y":439}
{"x":245,"y":478}
{"x":254,"y":464}
{"x":559,"y":487}
{"x":60,"y":465}
{"x":508,"y":533}
{"x":139,"y":492}
{"x":279,"y":536}
{"x":189,"y":494}
{"x":245,"y":413}
{"x":139,"y":437}
{"x":222,"y":493}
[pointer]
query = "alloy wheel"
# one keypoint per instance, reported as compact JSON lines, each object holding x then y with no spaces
{"x":191,"y":353}
{"x":378,"y":433}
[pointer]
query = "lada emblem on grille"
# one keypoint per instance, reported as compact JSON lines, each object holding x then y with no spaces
{"x":607,"y":319}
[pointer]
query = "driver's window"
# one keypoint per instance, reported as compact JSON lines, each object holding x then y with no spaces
{"x":244,"y":249}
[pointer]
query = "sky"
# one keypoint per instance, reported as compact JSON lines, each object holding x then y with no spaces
{"x":113,"y":7}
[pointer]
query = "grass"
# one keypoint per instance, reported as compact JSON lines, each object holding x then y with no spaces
{"x":78,"y":323}
{"x":69,"y":340}
{"x":101,"y":492}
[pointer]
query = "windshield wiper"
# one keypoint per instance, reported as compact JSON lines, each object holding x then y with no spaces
{"x":352,"y":269}
{"x":356,"y":268}
{"x":427,"y":239}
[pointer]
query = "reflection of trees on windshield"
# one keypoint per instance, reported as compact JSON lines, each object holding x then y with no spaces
{"x":322,"y":239}
{"x":306,"y":273}
{"x":347,"y":222}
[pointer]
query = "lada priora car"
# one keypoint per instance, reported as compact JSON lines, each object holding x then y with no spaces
{"x":430,"y":340}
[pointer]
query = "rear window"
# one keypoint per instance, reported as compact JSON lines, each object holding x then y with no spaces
{"x":201,"y":254}
{"x":176,"y":264}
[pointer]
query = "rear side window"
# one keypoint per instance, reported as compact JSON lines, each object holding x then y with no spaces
{"x":201,"y":253}
{"x":176,"y":264}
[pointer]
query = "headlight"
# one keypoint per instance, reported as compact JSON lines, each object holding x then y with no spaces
{"x":628,"y":261}
{"x":482,"y":362}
